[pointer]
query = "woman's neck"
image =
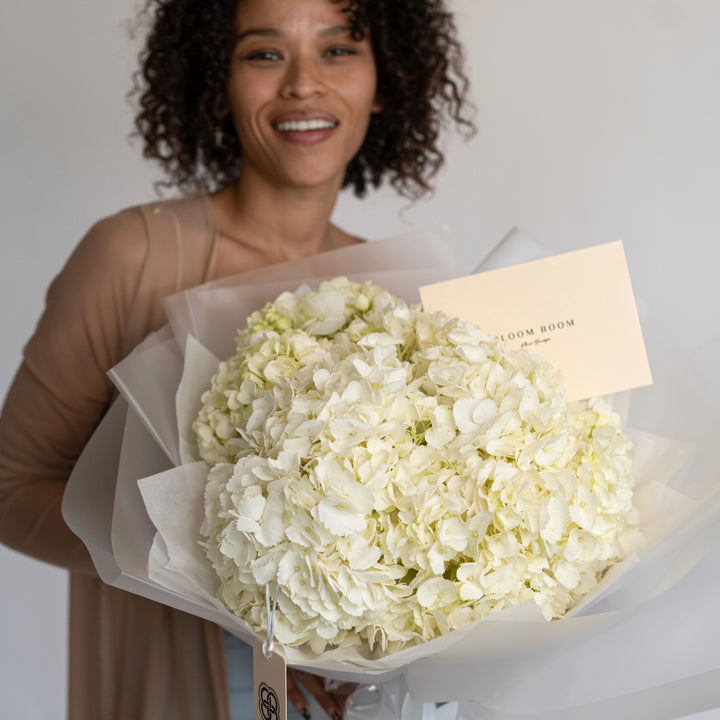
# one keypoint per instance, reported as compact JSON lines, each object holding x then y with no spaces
{"x":290,"y":222}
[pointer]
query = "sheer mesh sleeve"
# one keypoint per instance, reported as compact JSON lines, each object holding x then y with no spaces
{"x":61,"y":390}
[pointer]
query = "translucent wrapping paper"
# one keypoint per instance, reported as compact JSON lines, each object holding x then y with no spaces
{"x":136,"y":496}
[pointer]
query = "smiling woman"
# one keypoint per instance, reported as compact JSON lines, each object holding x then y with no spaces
{"x":419,"y":76}
{"x":263,"y":109}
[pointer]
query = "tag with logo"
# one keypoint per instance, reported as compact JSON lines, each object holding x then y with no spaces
{"x":270,"y":684}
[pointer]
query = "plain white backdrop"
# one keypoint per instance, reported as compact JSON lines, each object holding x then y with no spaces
{"x":597,"y":121}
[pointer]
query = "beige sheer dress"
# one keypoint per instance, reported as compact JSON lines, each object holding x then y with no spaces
{"x":129,"y":658}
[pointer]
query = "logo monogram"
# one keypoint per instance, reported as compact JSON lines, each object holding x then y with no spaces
{"x":268,"y":702}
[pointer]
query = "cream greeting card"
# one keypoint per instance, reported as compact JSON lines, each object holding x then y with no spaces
{"x":576,"y":310}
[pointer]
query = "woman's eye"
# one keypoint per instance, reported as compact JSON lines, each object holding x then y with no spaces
{"x":339,"y":52}
{"x":264,"y":55}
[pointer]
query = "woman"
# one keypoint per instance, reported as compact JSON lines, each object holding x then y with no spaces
{"x":269,"y":107}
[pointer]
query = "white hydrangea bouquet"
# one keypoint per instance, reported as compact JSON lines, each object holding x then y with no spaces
{"x":424,"y":498}
{"x":400,"y":474}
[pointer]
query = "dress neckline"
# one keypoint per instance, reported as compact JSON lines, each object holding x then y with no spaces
{"x":216,"y":232}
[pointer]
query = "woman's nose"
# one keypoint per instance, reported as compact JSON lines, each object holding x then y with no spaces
{"x":303,"y":79}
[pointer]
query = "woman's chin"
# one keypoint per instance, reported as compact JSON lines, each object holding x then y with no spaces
{"x":310,"y":179}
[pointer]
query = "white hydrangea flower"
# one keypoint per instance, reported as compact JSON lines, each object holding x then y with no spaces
{"x":400,"y":474}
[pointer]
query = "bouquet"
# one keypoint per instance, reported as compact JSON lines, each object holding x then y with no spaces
{"x":400,"y":474}
{"x":143,"y":532}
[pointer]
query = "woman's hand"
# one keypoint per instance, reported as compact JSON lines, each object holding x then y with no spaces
{"x":331,"y":701}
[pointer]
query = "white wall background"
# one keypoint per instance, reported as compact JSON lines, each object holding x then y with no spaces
{"x":598,"y":121}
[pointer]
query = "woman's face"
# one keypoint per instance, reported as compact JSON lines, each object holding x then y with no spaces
{"x":301,"y":91}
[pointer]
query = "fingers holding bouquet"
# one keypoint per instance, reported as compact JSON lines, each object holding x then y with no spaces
{"x":332,"y":701}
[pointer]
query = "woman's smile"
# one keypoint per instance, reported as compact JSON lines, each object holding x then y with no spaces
{"x":305,"y":128}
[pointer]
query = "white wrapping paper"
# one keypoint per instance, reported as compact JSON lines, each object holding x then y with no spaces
{"x":153,"y":553}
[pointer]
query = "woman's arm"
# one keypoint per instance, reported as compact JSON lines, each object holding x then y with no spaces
{"x":61,"y":390}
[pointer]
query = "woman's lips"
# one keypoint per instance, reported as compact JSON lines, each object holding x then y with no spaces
{"x":304,"y":125}
{"x":305,"y":129}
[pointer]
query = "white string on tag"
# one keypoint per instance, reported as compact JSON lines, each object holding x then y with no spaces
{"x":267,"y":646}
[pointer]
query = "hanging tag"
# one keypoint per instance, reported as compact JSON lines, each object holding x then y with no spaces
{"x":269,"y":684}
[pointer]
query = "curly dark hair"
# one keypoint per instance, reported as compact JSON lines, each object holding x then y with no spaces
{"x":185,"y":66}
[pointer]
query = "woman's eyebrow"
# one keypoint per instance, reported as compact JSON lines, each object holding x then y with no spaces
{"x":273,"y":32}
{"x":335,"y":30}
{"x":261,"y":32}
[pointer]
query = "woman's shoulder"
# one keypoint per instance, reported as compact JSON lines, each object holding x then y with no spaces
{"x":132,"y":223}
{"x":121,"y":241}
{"x":188,"y":208}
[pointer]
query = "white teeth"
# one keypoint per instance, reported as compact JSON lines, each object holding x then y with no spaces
{"x":305,"y":125}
